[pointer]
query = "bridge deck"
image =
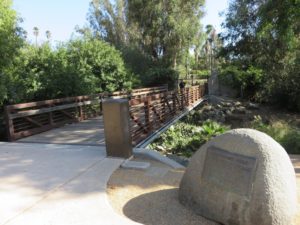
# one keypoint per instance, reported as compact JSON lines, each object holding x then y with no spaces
{"x":87,"y":132}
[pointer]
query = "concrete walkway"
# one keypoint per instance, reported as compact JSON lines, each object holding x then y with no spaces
{"x":49,"y":184}
{"x":87,"y":132}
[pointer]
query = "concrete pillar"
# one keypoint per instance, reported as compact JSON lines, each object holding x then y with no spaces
{"x":213,"y":84}
{"x":117,"y":128}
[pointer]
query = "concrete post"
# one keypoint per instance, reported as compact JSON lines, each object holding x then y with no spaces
{"x":117,"y":128}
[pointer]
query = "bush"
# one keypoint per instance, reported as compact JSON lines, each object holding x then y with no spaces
{"x":159,"y":76}
{"x":285,"y":134}
{"x":248,"y":80}
{"x":79,"y":67}
{"x":184,"y":139}
{"x":101,"y":65}
{"x":11,"y":41}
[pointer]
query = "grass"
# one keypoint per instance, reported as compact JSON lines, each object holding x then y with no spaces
{"x":284,"y":133}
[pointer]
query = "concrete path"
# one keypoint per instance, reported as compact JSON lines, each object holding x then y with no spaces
{"x":87,"y":132}
{"x":48,"y":184}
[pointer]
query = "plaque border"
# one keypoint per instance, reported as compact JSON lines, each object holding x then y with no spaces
{"x":253,"y":172}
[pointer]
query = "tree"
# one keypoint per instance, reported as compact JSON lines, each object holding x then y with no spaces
{"x":108,"y":21}
{"x":167,"y":28}
{"x":11,"y":39}
{"x":78,"y":67}
{"x":161,"y":29}
{"x":265,"y":35}
{"x":36,"y":34}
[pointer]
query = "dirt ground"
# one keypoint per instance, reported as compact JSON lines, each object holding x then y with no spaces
{"x":150,"y":197}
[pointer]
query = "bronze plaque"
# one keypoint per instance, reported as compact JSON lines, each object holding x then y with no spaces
{"x":229,"y":171}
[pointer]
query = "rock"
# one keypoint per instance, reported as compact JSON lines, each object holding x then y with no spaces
{"x":242,"y":177}
{"x":218,"y":106}
{"x":252,"y":106}
{"x":220,"y":117}
{"x":228,"y":112}
{"x":237,"y":103}
{"x":234,"y":117}
{"x":240,"y":110}
{"x":231,"y":109}
{"x":160,"y":148}
{"x":207,"y":108}
{"x":226,"y":104}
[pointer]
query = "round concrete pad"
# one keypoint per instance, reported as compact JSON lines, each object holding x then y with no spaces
{"x":151,"y":196}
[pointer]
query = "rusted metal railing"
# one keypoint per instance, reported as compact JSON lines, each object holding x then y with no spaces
{"x":152,"y":112}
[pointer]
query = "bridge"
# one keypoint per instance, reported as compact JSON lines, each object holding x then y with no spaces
{"x":78,"y":120}
{"x":60,"y":175}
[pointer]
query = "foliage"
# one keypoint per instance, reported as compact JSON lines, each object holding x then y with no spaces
{"x":102,"y":62}
{"x":159,"y":76}
{"x":164,"y":34}
{"x":200,"y":74}
{"x":184,"y":139}
{"x":265,"y":35}
{"x":137,"y":61}
{"x":285,"y":134}
{"x":249,"y":80}
{"x":186,"y":136}
{"x":108,"y":21}
{"x":10,"y":42}
{"x":79,"y":67}
{"x":150,"y":34}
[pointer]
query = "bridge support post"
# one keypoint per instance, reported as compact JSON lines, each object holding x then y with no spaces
{"x":117,"y":128}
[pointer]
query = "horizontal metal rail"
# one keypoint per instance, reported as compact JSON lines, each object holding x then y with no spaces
{"x":26,"y":119}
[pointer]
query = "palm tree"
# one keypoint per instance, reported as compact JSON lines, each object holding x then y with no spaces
{"x":210,"y":45}
{"x":48,"y":34}
{"x":36,"y":34}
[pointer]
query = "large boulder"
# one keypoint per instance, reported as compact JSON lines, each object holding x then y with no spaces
{"x":242,"y":177}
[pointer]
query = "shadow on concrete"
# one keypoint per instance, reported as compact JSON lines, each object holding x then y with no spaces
{"x":38,"y":168}
{"x":162,"y":207}
{"x":87,"y":132}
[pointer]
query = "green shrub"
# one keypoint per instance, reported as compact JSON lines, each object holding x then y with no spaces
{"x":184,"y":139}
{"x":248,"y":80}
{"x":11,"y":41}
{"x":159,"y":76}
{"x":284,"y":133}
{"x":79,"y":67}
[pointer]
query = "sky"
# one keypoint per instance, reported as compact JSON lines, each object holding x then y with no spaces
{"x":212,"y":10}
{"x":60,"y":17}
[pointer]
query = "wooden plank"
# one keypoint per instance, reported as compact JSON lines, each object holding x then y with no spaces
{"x":76,"y":98}
{"x":32,"y":121}
{"x":9,"y":124}
{"x":51,"y":109}
{"x":67,"y":114}
{"x":53,"y":101}
{"x":144,"y":99}
{"x":140,"y":91}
